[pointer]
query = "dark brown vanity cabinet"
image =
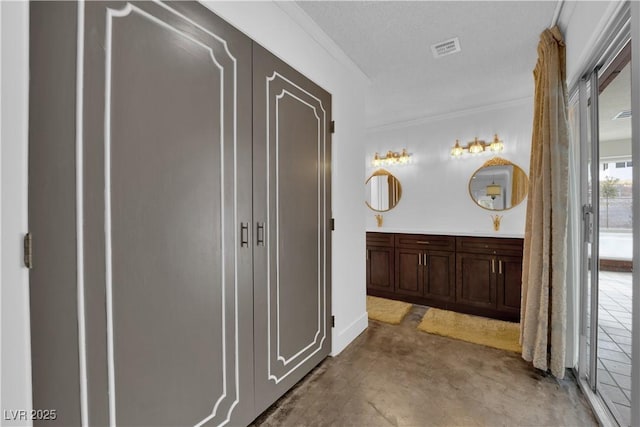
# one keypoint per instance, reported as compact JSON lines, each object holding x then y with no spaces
{"x":425,"y":266}
{"x":380,"y":261}
{"x":475,"y":275}
{"x":489,"y":275}
{"x":509,"y":285}
{"x":476,"y":280}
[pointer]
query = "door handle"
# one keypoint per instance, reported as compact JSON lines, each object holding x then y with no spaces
{"x":493,"y":265}
{"x":244,"y":234}
{"x":587,"y":218}
{"x":260,"y":234}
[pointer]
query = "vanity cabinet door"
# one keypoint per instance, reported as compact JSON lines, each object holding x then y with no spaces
{"x":409,"y":271}
{"x":439,"y":276}
{"x":380,"y":268}
{"x":476,"y":280}
{"x":509,"y":279}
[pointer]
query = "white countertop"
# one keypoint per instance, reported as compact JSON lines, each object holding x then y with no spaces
{"x":446,"y":233}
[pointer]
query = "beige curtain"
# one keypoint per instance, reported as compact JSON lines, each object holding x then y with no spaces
{"x":543,"y":316}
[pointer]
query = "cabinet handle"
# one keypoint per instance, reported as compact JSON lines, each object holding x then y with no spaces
{"x":420,"y":259}
{"x":368,"y":254}
{"x":426,"y":261}
{"x":244,"y":234}
{"x":493,"y":265}
{"x":423,"y":242}
{"x":500,"y":266}
{"x":260,"y":234}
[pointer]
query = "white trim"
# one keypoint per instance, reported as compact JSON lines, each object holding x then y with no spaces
{"x":268,"y":224}
{"x":107,"y":211}
{"x":111,"y":13}
{"x":400,"y":124}
{"x":321,"y":301}
{"x":342,"y":339}
{"x":16,"y":363}
{"x":600,"y":410}
{"x":635,"y":141}
{"x":1,"y":145}
{"x":284,"y":360}
{"x":309,"y":26}
{"x":82,"y":341}
{"x":235,"y":205}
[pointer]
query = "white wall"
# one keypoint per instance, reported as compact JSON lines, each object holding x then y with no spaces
{"x":15,"y":362}
{"x":435,"y":196}
{"x":287,"y":32}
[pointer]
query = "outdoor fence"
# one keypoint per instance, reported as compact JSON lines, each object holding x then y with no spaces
{"x":616,"y":213}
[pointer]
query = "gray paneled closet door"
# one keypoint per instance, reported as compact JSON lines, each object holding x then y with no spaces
{"x":291,"y":160}
{"x":179,"y":202}
{"x":163,"y":154}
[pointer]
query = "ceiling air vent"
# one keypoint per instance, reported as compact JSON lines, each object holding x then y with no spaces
{"x":445,"y":48}
{"x":625,"y":114}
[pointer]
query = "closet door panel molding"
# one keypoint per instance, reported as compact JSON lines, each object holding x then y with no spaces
{"x":195,"y":226}
{"x":168,"y":222}
{"x":294,"y":228}
{"x":291,"y":196}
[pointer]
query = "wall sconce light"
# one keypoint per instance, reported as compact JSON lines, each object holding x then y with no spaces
{"x":477,"y":146}
{"x":391,"y":158}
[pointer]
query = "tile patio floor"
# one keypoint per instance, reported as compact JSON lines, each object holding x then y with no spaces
{"x":614,"y":343}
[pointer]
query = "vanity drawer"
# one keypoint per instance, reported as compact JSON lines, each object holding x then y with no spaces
{"x":489,"y":245}
{"x":380,"y":239}
{"x":426,"y":241}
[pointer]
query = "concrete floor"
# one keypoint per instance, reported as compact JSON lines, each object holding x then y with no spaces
{"x":399,"y":376}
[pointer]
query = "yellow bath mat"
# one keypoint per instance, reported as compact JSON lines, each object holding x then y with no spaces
{"x":478,"y":330}
{"x":386,"y":310}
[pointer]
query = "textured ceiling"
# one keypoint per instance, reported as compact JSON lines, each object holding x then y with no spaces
{"x":390,"y":42}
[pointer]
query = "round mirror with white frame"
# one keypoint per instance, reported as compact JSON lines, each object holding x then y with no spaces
{"x":383,"y":191}
{"x":498,"y":185}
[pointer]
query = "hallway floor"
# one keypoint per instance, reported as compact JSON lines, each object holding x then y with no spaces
{"x":399,"y":376}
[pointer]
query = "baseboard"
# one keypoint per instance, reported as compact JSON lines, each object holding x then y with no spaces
{"x":343,"y":338}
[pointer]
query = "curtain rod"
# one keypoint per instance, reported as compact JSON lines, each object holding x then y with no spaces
{"x":556,"y":13}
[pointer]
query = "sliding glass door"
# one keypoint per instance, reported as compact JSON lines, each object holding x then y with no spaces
{"x":607,"y":240}
{"x":615,"y":238}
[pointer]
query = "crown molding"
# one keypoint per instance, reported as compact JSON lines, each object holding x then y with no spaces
{"x":400,"y":124}
{"x":308,"y":25}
